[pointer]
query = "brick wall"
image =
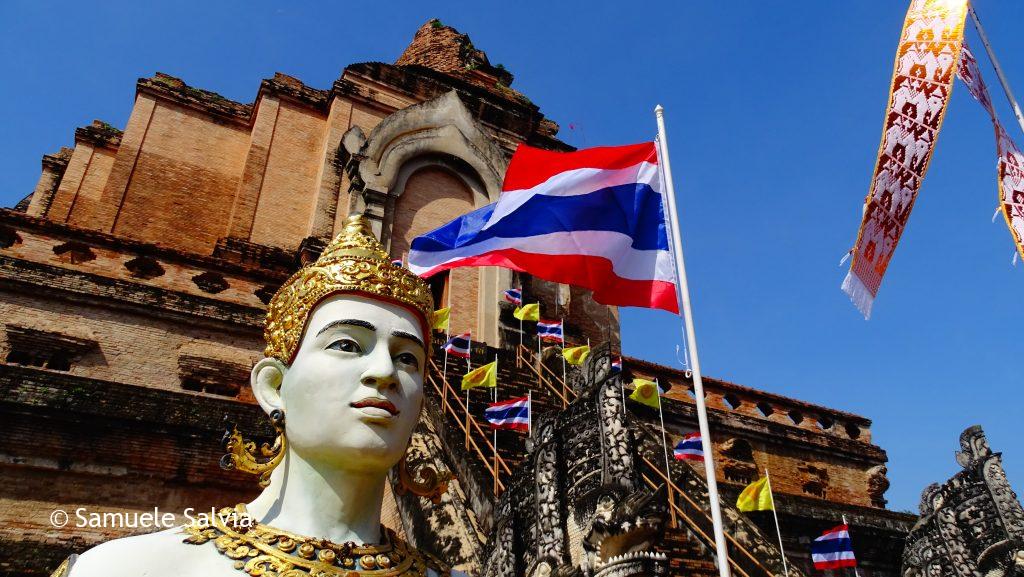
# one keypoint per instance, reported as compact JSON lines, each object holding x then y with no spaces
{"x":286,"y":196}
{"x":432,"y":197}
{"x":186,"y":166}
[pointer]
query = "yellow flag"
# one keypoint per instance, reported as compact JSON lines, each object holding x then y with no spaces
{"x":576,"y":355}
{"x":756,"y":497}
{"x":439,"y":318}
{"x":483,"y":376}
{"x":530,"y":312}
{"x":646,"y":392}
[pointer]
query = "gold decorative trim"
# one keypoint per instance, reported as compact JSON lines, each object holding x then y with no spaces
{"x":261,"y":550}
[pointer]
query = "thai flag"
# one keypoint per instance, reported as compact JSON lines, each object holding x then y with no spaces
{"x":550,"y":331}
{"x":689,"y":448}
{"x":458,"y":346}
{"x":834,"y":549}
{"x":397,"y":262}
{"x":514,"y":296}
{"x":617,"y":364}
{"x":593,"y":218}
{"x":510,"y":414}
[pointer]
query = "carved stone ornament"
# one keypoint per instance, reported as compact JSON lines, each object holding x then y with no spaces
{"x":579,"y":491}
{"x":973,"y":524}
{"x":878,"y":484}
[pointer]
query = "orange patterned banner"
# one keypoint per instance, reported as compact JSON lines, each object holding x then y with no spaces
{"x":922,"y":82}
{"x":1011,"y":161}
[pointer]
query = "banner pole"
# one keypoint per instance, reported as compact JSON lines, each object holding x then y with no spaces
{"x":855,"y":573}
{"x":778,"y":531}
{"x":664,"y":448}
{"x":495,"y":429}
{"x":683,"y":290}
{"x":995,"y":64}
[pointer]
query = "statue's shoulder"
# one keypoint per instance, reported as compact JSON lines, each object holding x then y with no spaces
{"x":159,"y":554}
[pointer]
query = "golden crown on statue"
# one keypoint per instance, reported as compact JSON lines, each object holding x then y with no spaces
{"x":355,"y":262}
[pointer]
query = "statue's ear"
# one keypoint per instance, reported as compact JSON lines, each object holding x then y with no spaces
{"x":266,"y":379}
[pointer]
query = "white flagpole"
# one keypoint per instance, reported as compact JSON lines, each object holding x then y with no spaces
{"x":995,"y":64}
{"x":495,"y":431}
{"x":664,"y":446}
{"x":855,"y":573}
{"x":691,"y":341}
{"x":778,"y":531}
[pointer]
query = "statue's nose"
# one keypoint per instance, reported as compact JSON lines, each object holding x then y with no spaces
{"x":380,"y":371}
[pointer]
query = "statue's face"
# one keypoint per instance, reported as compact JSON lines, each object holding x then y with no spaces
{"x":352,"y":395}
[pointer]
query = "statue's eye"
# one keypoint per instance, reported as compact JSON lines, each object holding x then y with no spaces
{"x":346,"y":345}
{"x":408,"y":359}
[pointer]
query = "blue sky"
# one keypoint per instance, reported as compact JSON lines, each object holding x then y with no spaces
{"x":774,"y":113}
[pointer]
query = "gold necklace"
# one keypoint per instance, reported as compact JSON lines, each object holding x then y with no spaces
{"x":261,"y":550}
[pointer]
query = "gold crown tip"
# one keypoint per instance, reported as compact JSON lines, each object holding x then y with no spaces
{"x":358,"y":224}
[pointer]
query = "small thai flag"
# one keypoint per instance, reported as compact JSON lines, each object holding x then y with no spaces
{"x":550,"y":331}
{"x":510,"y":414}
{"x":458,"y":346}
{"x":834,"y":549}
{"x":689,"y":448}
{"x":514,"y":296}
{"x":397,"y":262}
{"x":617,"y":365}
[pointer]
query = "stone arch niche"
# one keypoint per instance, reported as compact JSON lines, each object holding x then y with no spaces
{"x":418,"y":169}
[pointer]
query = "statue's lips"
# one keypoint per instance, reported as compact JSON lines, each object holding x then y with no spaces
{"x":383,"y":404}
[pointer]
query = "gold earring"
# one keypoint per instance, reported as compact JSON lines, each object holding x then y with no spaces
{"x":242,"y":454}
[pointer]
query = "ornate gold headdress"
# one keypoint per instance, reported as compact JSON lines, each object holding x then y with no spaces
{"x":355,"y":262}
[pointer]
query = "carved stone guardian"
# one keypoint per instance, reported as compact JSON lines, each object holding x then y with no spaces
{"x":973,"y":524}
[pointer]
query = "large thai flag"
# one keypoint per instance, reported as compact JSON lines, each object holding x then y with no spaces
{"x":834,"y":549}
{"x":510,"y":414}
{"x":593,"y":218}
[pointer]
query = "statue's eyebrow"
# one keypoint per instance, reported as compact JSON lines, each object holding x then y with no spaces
{"x":363,"y":324}
{"x":348,"y":322}
{"x":410,"y":336}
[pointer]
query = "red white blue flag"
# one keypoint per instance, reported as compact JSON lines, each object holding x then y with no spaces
{"x":617,"y":364}
{"x":458,"y":346}
{"x":594,"y":218}
{"x":834,"y":549}
{"x":550,"y":331}
{"x":510,"y":414}
{"x":689,"y":448}
{"x":514,"y":296}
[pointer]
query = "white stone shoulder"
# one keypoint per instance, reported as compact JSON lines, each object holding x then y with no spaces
{"x":160,"y":554}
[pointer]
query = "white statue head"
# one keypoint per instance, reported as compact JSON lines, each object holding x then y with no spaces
{"x":345,"y":359}
{"x":353,"y":391}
